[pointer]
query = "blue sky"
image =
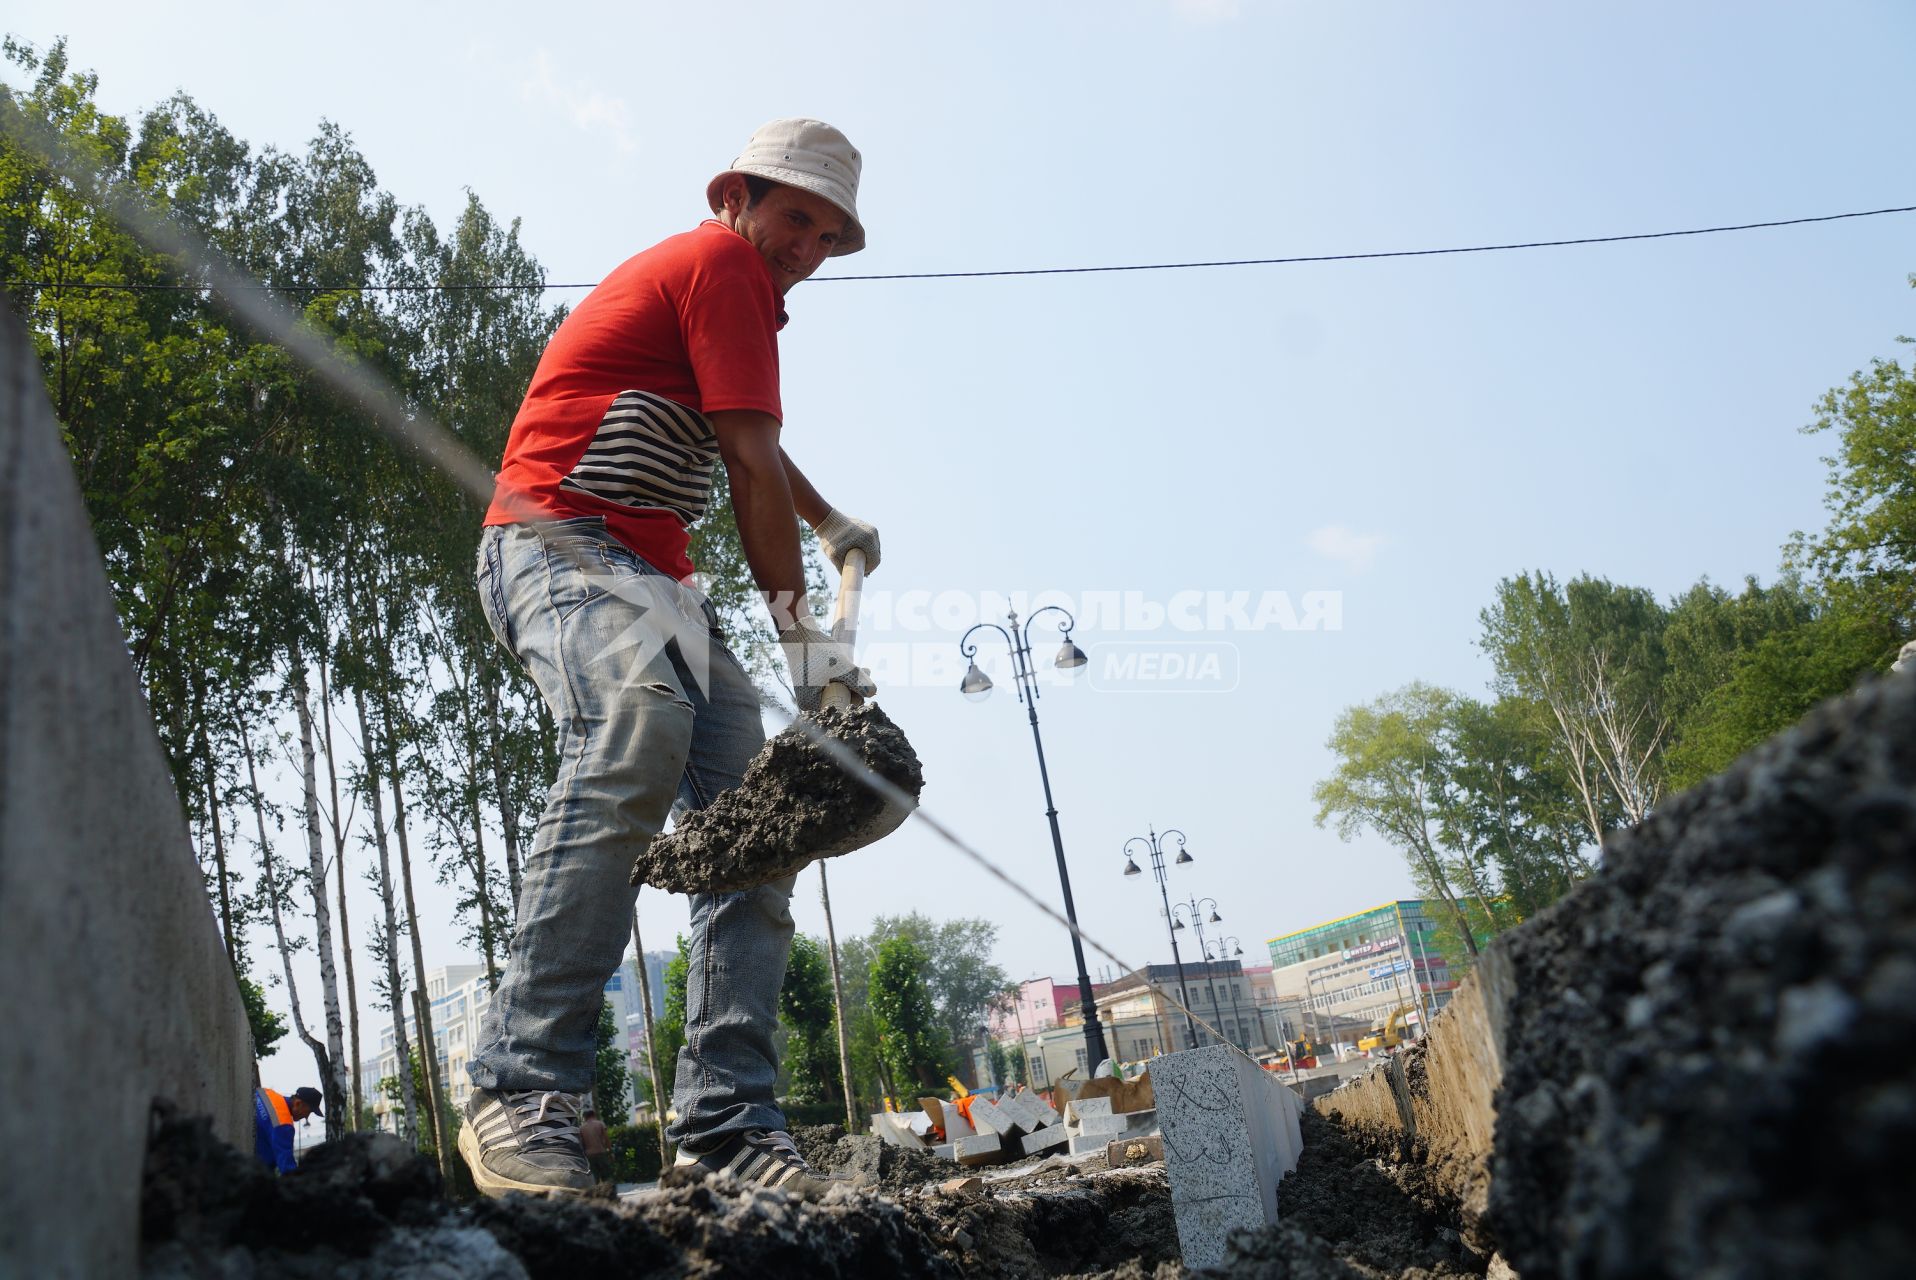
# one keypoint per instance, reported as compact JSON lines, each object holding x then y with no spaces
{"x":1401,"y":432}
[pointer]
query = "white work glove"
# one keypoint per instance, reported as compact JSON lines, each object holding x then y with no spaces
{"x":838,"y":533}
{"x":816,"y":660}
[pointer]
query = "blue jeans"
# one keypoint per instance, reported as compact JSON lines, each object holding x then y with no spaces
{"x":653,"y":712}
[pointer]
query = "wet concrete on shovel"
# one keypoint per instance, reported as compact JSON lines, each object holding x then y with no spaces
{"x":795,"y":805}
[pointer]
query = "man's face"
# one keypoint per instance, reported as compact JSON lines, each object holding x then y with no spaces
{"x":297,"y":1108}
{"x":793,"y":230}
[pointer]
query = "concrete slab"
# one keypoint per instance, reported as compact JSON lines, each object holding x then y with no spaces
{"x":996,"y":1117}
{"x":1103,"y":1126}
{"x":981,"y":1148}
{"x":1231,"y":1133}
{"x":116,"y":986}
{"x":1078,"y":1108}
{"x":956,"y":1126}
{"x":896,"y":1130}
{"x":1045,"y":1139}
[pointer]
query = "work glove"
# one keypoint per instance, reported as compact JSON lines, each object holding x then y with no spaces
{"x":838,"y":533}
{"x":816,"y":660}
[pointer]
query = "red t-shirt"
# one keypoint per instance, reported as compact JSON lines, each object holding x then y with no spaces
{"x":613,"y":424}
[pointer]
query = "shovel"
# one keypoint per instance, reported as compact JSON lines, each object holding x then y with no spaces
{"x":796,"y":804}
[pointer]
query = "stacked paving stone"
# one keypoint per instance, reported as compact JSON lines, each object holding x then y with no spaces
{"x":1094,"y":1125}
{"x":1006,"y":1128}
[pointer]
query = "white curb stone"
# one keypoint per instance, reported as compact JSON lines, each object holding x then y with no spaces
{"x":1231,"y":1132}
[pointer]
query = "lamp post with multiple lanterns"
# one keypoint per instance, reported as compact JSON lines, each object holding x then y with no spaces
{"x":976,"y":685}
{"x":1154,"y":844}
{"x":1195,"y":907}
{"x":1230,"y":948}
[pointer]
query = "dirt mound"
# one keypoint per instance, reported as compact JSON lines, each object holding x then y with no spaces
{"x":815,"y":1142}
{"x":1355,"y":1208}
{"x":367,"y":1208}
{"x":1055,"y":1222}
{"x":1707,"y":1060}
{"x":876,"y":1163}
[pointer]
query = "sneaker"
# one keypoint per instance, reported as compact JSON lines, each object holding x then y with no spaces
{"x":764,"y":1159}
{"x":526,"y":1141}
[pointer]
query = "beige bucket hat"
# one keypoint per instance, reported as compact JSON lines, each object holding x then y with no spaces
{"x":809,"y":155}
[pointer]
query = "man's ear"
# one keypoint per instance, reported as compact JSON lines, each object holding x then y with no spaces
{"x":733,"y":195}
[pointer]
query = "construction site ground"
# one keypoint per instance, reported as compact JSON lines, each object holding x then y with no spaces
{"x":364,"y":1207}
{"x":1704,"y":1072}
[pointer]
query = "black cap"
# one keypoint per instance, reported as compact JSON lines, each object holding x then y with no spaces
{"x":310,"y":1096}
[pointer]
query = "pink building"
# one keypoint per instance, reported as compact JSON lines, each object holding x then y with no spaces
{"x":1036,"y":1009}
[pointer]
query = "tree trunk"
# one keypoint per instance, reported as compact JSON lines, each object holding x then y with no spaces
{"x":651,"y":1040}
{"x":508,"y":815}
{"x":428,"y":1045}
{"x":272,"y":889}
{"x":337,"y":1085}
{"x":395,"y":986}
{"x":339,"y":824}
{"x":219,"y":840}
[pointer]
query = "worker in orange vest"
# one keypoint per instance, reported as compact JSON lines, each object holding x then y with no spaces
{"x":273,"y":1118}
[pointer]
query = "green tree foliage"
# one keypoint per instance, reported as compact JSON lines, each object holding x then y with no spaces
{"x":1392,"y":777}
{"x":268,"y":1027}
{"x":1608,"y":699}
{"x":965,"y":982}
{"x":913,"y":1053}
{"x":1006,"y":1062}
{"x":669,"y":1030}
{"x":635,"y":1151}
{"x":1590,"y":653}
{"x":805,"y":1008}
{"x":608,"y":1064}
{"x":392,"y":1090}
{"x":1870,"y":541}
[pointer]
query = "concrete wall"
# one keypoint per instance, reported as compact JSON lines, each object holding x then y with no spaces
{"x":1444,"y":1101}
{"x":114,"y":988}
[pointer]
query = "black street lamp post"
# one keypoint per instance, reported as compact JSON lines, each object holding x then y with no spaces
{"x":975,"y":686}
{"x":1195,"y":907}
{"x":1228,"y":948}
{"x":1154,"y":843}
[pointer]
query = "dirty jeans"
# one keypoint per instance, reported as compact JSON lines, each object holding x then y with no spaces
{"x":653,"y":712}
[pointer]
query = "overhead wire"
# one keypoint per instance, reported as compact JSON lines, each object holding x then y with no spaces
{"x":1293,"y":260}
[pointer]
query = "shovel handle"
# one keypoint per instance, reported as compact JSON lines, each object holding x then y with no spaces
{"x":851,"y":585}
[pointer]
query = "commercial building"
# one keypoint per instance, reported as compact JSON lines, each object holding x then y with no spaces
{"x":1349,"y":974}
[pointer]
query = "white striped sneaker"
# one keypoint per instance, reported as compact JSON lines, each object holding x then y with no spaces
{"x":526,"y":1141}
{"x":763,"y":1158}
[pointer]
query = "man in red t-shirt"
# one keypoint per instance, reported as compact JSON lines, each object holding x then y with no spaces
{"x":665,"y":370}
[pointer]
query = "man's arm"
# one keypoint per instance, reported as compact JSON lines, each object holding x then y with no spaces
{"x":811,"y":507}
{"x":837,"y":532}
{"x":283,"y":1148}
{"x":764,"y":503}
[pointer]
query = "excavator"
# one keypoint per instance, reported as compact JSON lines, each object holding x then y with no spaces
{"x":1386,"y":1035}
